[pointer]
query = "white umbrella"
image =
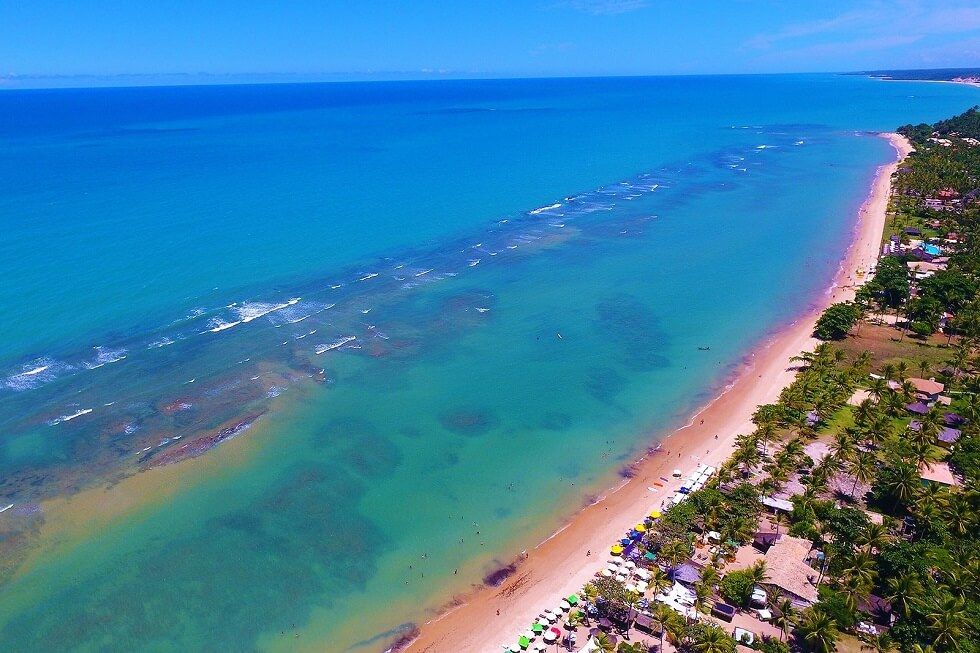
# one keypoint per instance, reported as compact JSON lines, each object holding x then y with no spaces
{"x":629,"y":564}
{"x":565,"y":605}
{"x":530,"y":634}
{"x":678,"y":473}
{"x":642,"y":573}
{"x":607,"y":573}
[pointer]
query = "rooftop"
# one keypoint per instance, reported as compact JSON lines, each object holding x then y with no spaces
{"x":787,"y":568}
{"x":937,"y":473}
{"x":928,"y":386}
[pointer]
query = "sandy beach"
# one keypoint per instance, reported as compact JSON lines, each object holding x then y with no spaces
{"x":560,"y":565}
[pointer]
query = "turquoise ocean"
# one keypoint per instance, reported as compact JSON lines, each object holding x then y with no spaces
{"x":276,"y":361}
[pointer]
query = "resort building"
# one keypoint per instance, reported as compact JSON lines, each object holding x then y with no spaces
{"x":788,"y":570}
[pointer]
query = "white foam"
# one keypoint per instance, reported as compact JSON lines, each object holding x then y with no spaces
{"x":7,"y":507}
{"x":70,"y":416}
{"x":481,"y":310}
{"x":424,"y":272}
{"x":105,"y":356}
{"x":550,"y":207}
{"x":473,"y":262}
{"x":162,"y":342}
{"x":33,"y":374}
{"x":368,"y":276}
{"x":336,"y":344}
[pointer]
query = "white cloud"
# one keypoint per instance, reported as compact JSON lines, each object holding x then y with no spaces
{"x":877,"y":26}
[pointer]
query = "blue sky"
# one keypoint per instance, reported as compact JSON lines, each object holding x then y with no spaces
{"x":378,"y":39}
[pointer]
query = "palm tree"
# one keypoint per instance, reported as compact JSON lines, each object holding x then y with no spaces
{"x":902,"y":370}
{"x":818,"y":631}
{"x":888,"y":371}
{"x":659,"y":581}
{"x":675,"y":552}
{"x":877,"y":389}
{"x":862,"y":468}
{"x":874,"y":536}
{"x":710,"y":576}
{"x":924,"y":368}
{"x":785,"y":617}
{"x":604,"y":643}
{"x":702,"y":598}
{"x":959,"y":515}
{"x":924,"y":453}
{"x":880,"y":643}
{"x":904,"y":483}
{"x":904,"y":592}
{"x":843,"y":447}
{"x":758,"y":572}
{"x":907,"y":390}
{"x":947,"y":619}
{"x":712,"y":639}
{"x":661,"y":614}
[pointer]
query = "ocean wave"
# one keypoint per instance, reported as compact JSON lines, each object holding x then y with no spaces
{"x":336,"y":344}
{"x":70,"y":416}
{"x":550,"y":207}
{"x":34,"y":374}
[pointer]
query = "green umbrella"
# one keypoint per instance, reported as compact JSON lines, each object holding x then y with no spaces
{"x":523,"y":642}
{"x":537,"y":628}
{"x":573,"y":599}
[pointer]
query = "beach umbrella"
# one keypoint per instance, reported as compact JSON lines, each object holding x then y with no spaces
{"x":537,"y":628}
{"x":616,"y":549}
{"x":629,"y":564}
{"x":573,"y":599}
{"x":650,"y":555}
{"x":678,"y":473}
{"x":640,"y":528}
{"x":655,"y":514}
{"x":523,"y":642}
{"x":565,"y":605}
{"x":606,"y":573}
{"x":615,"y":562}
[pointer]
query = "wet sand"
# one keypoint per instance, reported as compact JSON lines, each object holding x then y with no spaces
{"x":492,"y":616}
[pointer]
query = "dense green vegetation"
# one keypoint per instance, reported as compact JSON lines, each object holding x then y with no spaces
{"x":889,"y":546}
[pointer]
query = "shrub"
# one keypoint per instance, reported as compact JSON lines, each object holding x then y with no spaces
{"x":737,"y":587}
{"x":837,"y":321}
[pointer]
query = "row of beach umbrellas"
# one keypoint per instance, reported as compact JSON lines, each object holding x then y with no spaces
{"x":544,"y":627}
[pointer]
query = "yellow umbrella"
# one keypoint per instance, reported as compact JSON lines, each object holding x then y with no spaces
{"x":616,"y":549}
{"x":641,"y":528}
{"x":654,"y":514}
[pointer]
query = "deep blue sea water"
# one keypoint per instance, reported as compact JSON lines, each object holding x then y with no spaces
{"x":362,"y":286}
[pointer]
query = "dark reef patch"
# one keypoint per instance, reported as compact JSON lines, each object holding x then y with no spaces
{"x":468,"y":421}
{"x":604,"y":383}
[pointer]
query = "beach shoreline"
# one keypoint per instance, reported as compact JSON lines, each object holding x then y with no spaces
{"x":558,"y":566}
